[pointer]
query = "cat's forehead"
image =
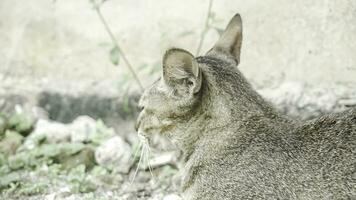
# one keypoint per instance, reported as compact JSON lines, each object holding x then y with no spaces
{"x":210,"y":60}
{"x":156,"y":88}
{"x":213,"y":62}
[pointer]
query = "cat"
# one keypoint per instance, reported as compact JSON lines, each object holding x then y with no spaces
{"x":235,"y":144}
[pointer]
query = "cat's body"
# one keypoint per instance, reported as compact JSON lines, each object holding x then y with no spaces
{"x":236,"y":145}
{"x":265,"y":156}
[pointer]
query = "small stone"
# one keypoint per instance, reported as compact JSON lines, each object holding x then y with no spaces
{"x":114,"y":154}
{"x":172,"y":197}
{"x":84,"y":157}
{"x":48,"y":131}
{"x":55,"y":132}
{"x":50,"y":196}
{"x":82,"y":129}
{"x":63,"y":192}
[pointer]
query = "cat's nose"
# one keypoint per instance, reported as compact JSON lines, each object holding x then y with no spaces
{"x":137,"y":124}
{"x":140,"y":107}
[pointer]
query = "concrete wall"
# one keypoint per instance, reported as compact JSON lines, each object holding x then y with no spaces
{"x":63,"y":41}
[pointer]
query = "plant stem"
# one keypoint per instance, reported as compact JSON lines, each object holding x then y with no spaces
{"x":114,"y":40}
{"x":206,"y":27}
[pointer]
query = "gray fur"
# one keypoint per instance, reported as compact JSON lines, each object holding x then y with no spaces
{"x":237,"y":146}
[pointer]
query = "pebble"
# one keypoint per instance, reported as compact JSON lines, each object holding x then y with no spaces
{"x":114,"y":154}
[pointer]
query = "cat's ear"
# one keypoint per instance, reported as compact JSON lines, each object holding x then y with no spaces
{"x":230,"y":40}
{"x":181,"y":71}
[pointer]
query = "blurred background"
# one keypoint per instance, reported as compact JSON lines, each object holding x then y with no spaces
{"x":70,"y":76}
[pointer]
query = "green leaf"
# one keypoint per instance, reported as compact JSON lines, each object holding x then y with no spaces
{"x":19,"y":160}
{"x":7,"y":179}
{"x":3,"y":159}
{"x":77,"y":174}
{"x":99,"y":171}
{"x":5,"y":169}
{"x":29,"y":189}
{"x":102,"y":133}
{"x":115,"y":55}
{"x":22,"y":123}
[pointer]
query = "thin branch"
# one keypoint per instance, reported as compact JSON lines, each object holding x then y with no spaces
{"x":114,"y":40}
{"x":206,"y":27}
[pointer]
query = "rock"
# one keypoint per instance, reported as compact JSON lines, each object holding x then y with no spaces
{"x":50,"y":196}
{"x":172,"y":197}
{"x":86,"y":129}
{"x":49,"y":131}
{"x":83,"y":157}
{"x":63,"y":192}
{"x":22,"y":122}
{"x":55,"y":132}
{"x":82,"y":129}
{"x":39,"y":113}
{"x":348,"y":102}
{"x":114,"y":154}
{"x":57,"y":150}
{"x":10,"y":143}
{"x":304,"y":101}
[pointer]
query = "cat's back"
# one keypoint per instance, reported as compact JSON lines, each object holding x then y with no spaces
{"x":313,"y":160}
{"x":327,"y":152}
{"x":332,"y":130}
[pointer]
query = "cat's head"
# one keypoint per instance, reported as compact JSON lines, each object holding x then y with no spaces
{"x":175,"y":99}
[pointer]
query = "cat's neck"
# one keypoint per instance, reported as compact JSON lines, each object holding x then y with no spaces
{"x":221,"y":109}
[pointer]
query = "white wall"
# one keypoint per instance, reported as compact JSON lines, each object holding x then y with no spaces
{"x":307,"y":41}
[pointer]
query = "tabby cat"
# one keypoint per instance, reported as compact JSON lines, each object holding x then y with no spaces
{"x":235,"y":144}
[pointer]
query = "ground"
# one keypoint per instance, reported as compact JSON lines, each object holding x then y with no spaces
{"x":49,"y":153}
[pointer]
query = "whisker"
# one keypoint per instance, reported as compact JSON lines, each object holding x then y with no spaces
{"x":148,"y":151}
{"x":137,"y":150}
{"x":138,"y":166}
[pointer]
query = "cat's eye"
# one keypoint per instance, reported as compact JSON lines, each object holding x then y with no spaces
{"x":140,"y":107}
{"x":188,"y":82}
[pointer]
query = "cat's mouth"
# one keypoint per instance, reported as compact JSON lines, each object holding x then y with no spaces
{"x":142,"y":129}
{"x":145,"y":129}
